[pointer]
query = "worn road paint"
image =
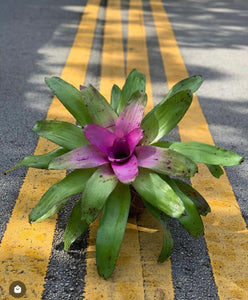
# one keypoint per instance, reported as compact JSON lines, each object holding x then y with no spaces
{"x":225,"y":229}
{"x":25,"y":248}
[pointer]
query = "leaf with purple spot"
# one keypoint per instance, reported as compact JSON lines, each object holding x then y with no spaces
{"x":165,"y":161}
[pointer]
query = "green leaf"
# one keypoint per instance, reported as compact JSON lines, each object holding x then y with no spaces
{"x":57,"y":195}
{"x":215,"y":170}
{"x":157,"y":192}
{"x":64,"y":134}
{"x":70,"y":97}
{"x":39,"y":161}
{"x":111,"y":229}
{"x":168,"y":242}
{"x":163,"y":118}
{"x":191,"y":219}
{"x":200,"y":203}
{"x":135,"y":82}
{"x":115,"y":97}
{"x":163,"y":144}
{"x":191,"y":84}
{"x":75,"y":227}
{"x":96,"y":192}
{"x":99,"y":109}
{"x":207,"y":154}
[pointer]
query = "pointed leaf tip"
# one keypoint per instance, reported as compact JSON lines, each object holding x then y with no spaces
{"x":111,"y":229}
{"x":70,"y":97}
{"x":135,"y":81}
{"x":165,"y":116}
{"x":99,"y":109}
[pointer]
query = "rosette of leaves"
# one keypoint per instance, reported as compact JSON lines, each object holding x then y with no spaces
{"x":113,"y":149}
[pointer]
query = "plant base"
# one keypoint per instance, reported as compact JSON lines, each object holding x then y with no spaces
{"x":137,"y":206}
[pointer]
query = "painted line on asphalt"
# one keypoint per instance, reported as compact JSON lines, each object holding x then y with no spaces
{"x":137,"y":274}
{"x":126,"y":281}
{"x":137,"y":55}
{"x":157,"y":277}
{"x":113,"y":60}
{"x":25,"y":248}
{"x":226,"y":234}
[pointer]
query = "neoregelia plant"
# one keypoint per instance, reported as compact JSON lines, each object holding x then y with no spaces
{"x":113,"y":150}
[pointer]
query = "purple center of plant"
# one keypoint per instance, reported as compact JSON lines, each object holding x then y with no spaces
{"x":120,"y":151}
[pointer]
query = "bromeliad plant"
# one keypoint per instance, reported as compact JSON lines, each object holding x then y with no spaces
{"x":113,"y":152}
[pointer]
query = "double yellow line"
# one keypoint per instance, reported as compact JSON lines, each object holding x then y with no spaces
{"x":25,"y":249}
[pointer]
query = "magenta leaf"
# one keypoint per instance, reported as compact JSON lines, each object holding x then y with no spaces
{"x":133,"y":138}
{"x":131,"y":114}
{"x":127,"y":171}
{"x":101,"y":137}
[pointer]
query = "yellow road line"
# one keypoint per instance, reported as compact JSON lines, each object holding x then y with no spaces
{"x":225,"y":229}
{"x":157,"y":277}
{"x":113,"y":62}
{"x":137,"y":56}
{"x":126,"y":282}
{"x":25,"y":248}
{"x":133,"y":278}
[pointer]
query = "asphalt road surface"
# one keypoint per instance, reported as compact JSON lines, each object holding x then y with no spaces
{"x":35,"y":39}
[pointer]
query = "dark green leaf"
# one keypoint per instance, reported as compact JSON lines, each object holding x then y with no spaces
{"x":157,"y":192}
{"x":163,"y":118}
{"x":39,"y":161}
{"x":191,"y":219}
{"x":191,"y":84}
{"x":111,"y":229}
{"x":135,"y":82}
{"x":168,"y":243}
{"x":215,"y":170}
{"x":70,"y":97}
{"x":64,"y":134}
{"x":200,"y":203}
{"x":75,"y":227}
{"x":56,"y":196}
{"x":115,"y":97}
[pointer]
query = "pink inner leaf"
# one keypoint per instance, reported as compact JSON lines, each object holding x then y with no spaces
{"x":84,"y":157}
{"x":131,"y":115}
{"x":101,"y":137}
{"x":133,"y":138}
{"x":127,"y":171}
{"x":165,"y":161}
